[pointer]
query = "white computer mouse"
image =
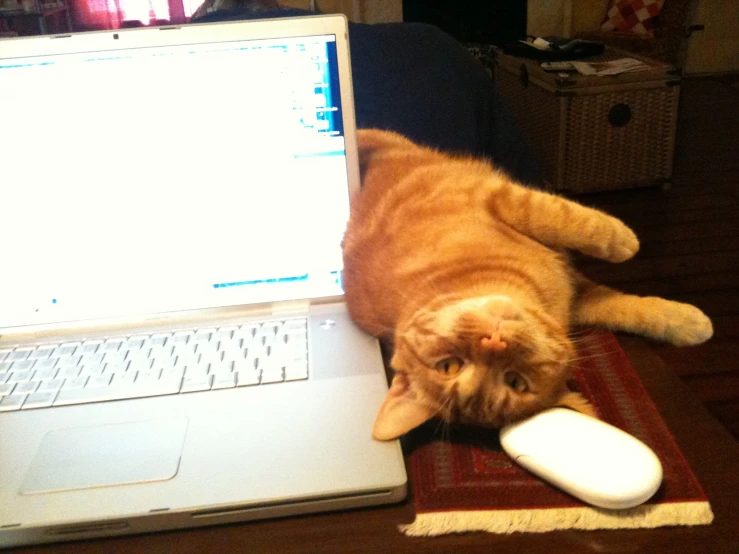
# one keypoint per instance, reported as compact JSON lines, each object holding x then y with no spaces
{"x":588,"y":458}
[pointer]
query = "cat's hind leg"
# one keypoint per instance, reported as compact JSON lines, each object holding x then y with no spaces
{"x":653,"y":317}
{"x":560,"y":223}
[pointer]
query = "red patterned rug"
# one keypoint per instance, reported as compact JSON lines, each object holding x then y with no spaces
{"x":463,"y":481}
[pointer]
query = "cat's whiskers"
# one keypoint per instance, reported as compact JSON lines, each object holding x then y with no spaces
{"x":575,"y":341}
{"x":444,"y":406}
{"x":584,"y":334}
{"x":593,"y":356}
{"x":446,"y":432}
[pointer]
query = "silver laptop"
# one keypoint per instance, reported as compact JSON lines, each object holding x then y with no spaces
{"x":174,"y":349}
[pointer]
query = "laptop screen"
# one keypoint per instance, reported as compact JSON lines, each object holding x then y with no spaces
{"x":170,"y":178}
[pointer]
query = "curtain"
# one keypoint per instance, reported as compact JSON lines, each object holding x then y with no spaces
{"x":114,"y":14}
{"x":359,"y":11}
{"x":90,"y":15}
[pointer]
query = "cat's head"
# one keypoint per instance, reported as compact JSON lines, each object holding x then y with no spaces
{"x":484,"y":361}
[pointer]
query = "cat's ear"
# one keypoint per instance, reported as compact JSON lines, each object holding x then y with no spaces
{"x":577,"y":402}
{"x":400,"y":412}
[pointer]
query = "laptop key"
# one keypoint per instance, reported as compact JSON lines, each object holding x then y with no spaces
{"x":66,"y":349}
{"x":148,"y":374}
{"x":196,"y":370}
{"x":42,"y":352}
{"x":26,"y":388}
{"x":44,"y":374}
{"x":190,"y":360}
{"x":4,"y":354}
{"x":294,"y":324}
{"x":124,"y":391}
{"x":19,"y":354}
{"x":184,"y":349}
{"x":6,"y":389}
{"x":20,"y":376}
{"x":69,"y":361}
{"x":226,"y":332}
{"x":24,"y":365}
{"x":247,"y":330}
{"x":296,"y":371}
{"x":161,"y":351}
{"x":182,"y":337}
{"x":91,"y":358}
{"x":45,"y":364}
{"x":138,"y":355}
{"x":224,"y":381}
{"x":92,"y":369}
{"x":272,"y":374}
{"x":111,"y":345}
{"x":134,"y":343}
{"x":74,"y":383}
{"x":139,"y":362}
{"x":99,"y":381}
{"x":177,"y":372}
{"x":203,"y":335}
{"x":69,"y":372}
{"x":247,"y":377}
{"x":160,"y":339}
{"x":207,"y":348}
{"x":164,"y":362}
{"x":196,"y":383}
{"x":39,"y":400}
{"x":124,"y":378}
{"x":12,"y":402}
{"x":117,"y":357}
{"x":90,"y":347}
{"x":50,"y":385}
{"x":217,"y":365}
{"x":114,"y":368}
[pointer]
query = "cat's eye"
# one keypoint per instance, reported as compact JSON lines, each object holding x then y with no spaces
{"x":515,"y":381}
{"x":450,"y":366}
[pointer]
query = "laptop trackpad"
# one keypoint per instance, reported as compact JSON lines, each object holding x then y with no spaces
{"x":104,"y":455}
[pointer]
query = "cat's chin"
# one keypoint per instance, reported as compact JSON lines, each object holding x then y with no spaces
{"x":499,"y":421}
{"x":572,"y":400}
{"x":576,"y":401}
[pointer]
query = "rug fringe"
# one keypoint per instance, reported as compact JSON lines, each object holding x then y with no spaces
{"x":543,"y":520}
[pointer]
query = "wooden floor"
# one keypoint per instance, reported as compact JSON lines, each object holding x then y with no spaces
{"x":690,"y":241}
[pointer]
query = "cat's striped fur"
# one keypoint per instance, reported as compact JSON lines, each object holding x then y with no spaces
{"x":467,"y":273}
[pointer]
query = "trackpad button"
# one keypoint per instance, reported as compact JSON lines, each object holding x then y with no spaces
{"x":105,"y":455}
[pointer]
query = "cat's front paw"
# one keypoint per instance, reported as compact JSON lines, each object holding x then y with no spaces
{"x":623,"y":243}
{"x":615,"y":242}
{"x":686,"y":325}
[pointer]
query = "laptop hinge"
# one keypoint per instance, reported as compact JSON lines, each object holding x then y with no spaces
{"x":295,"y":307}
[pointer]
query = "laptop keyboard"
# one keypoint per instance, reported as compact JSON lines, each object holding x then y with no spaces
{"x":137,"y":366}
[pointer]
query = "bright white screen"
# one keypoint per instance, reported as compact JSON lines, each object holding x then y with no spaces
{"x":171,"y":178}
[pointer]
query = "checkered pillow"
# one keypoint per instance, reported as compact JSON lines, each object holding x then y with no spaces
{"x":633,"y":16}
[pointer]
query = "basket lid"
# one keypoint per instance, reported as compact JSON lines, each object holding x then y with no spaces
{"x":552,"y":80}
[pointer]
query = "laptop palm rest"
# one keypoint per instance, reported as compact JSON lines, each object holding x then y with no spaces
{"x":105,"y":455}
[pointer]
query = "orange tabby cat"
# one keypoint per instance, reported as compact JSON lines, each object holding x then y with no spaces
{"x":466,"y":273}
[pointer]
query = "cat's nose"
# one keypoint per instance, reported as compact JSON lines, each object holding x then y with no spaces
{"x":493,"y":342}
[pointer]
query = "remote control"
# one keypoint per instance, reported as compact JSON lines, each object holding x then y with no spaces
{"x":557,"y":66}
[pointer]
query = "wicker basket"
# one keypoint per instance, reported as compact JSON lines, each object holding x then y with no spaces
{"x":595,"y":133}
